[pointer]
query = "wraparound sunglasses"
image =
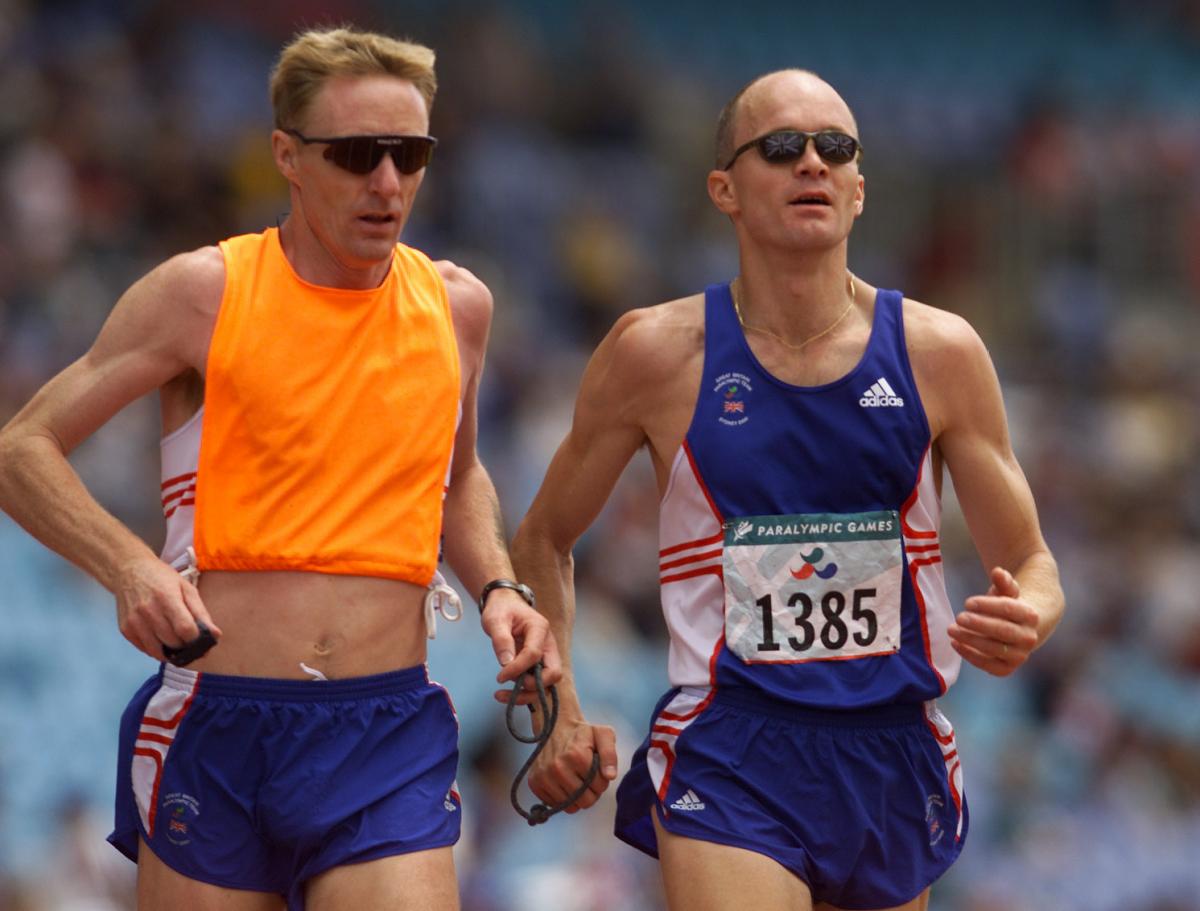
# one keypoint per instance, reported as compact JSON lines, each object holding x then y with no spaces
{"x":362,"y":154}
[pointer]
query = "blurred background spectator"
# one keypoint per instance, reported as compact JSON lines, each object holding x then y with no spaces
{"x":1032,"y":166}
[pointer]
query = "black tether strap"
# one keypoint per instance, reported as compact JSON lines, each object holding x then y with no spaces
{"x":539,"y":812}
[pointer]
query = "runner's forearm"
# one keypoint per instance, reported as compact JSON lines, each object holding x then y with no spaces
{"x":473,"y":531}
{"x":551,"y":574}
{"x":41,"y":492}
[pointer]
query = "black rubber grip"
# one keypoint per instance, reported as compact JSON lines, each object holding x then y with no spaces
{"x":190,"y":651}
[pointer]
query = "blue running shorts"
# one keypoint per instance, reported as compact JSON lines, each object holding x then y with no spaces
{"x":866,"y":806}
{"x":261,"y":784}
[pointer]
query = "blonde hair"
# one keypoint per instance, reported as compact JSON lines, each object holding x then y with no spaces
{"x":319,"y":54}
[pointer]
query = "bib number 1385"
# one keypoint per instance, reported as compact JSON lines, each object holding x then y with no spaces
{"x":828,"y":625}
{"x":813,"y":587}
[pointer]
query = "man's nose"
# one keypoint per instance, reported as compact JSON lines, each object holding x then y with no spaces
{"x":385,"y":180}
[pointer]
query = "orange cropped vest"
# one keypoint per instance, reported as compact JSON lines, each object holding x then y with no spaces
{"x":329,"y":419}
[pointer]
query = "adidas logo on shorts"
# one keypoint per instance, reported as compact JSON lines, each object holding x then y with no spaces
{"x":881,"y":395}
{"x":688,"y":802}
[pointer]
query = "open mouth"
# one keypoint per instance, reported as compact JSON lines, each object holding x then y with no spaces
{"x":810,"y":199}
{"x":374,"y":219}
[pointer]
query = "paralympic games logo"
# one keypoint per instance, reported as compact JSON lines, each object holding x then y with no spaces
{"x":810,"y":566}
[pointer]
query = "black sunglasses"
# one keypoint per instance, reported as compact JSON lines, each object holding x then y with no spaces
{"x":362,"y":154}
{"x":785,"y":146}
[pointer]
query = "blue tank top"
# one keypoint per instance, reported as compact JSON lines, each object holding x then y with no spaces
{"x":799,"y":531}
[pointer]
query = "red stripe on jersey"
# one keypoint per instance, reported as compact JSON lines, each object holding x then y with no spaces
{"x":181,"y":492}
{"x":923,"y":617}
{"x":909,"y":531}
{"x":716,"y":570}
{"x":695,"y":558}
{"x":687,"y":450}
{"x":174,"y":509}
{"x":712,"y":661}
{"x":699,"y":542}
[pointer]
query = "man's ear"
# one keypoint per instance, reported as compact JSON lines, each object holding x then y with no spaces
{"x":284,"y":149}
{"x":721,"y":192}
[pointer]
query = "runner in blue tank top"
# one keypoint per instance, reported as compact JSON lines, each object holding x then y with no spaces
{"x":799,"y":422}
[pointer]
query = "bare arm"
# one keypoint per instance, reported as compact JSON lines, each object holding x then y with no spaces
{"x":998,"y":630}
{"x":585,"y":469}
{"x":154,"y":334}
{"x":608,"y":428}
{"x":473,"y":528}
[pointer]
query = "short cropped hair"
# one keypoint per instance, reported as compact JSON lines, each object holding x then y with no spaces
{"x":316,"y":55}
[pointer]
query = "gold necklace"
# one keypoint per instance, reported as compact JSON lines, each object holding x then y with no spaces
{"x":735,"y":292}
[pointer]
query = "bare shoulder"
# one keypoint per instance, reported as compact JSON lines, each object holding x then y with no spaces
{"x":644,"y":374}
{"x":171,"y":309}
{"x":658,"y":341}
{"x":157,"y":335}
{"x":953,"y":370}
{"x":939,"y":340}
{"x":470,"y":308}
{"x":196,"y":277}
{"x":470,"y":298}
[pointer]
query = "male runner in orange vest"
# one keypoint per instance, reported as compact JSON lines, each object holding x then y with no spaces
{"x":318,"y":386}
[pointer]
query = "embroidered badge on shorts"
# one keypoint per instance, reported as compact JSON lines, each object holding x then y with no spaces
{"x":933,"y":818}
{"x":181,"y":811}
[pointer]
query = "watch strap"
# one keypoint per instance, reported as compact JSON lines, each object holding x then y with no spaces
{"x":519,"y":587}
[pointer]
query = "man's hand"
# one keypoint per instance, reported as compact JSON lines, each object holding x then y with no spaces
{"x":520,"y":638}
{"x":996,"y":632}
{"x":156,"y":606}
{"x":567,"y":760}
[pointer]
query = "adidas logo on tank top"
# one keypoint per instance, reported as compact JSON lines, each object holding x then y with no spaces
{"x":881,"y":395}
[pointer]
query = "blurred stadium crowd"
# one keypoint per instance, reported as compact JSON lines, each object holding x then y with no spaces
{"x":1034,"y":167}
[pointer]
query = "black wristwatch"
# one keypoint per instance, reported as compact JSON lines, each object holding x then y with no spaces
{"x":519,"y":587}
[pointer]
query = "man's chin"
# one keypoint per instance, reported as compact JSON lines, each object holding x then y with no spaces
{"x":378,"y":248}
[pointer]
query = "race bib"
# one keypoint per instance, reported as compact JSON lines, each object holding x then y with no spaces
{"x":815,"y":587}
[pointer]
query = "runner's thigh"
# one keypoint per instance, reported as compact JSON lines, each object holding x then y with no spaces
{"x":420,"y":881}
{"x":920,"y":903}
{"x":159,"y":888}
{"x":705,"y":876}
